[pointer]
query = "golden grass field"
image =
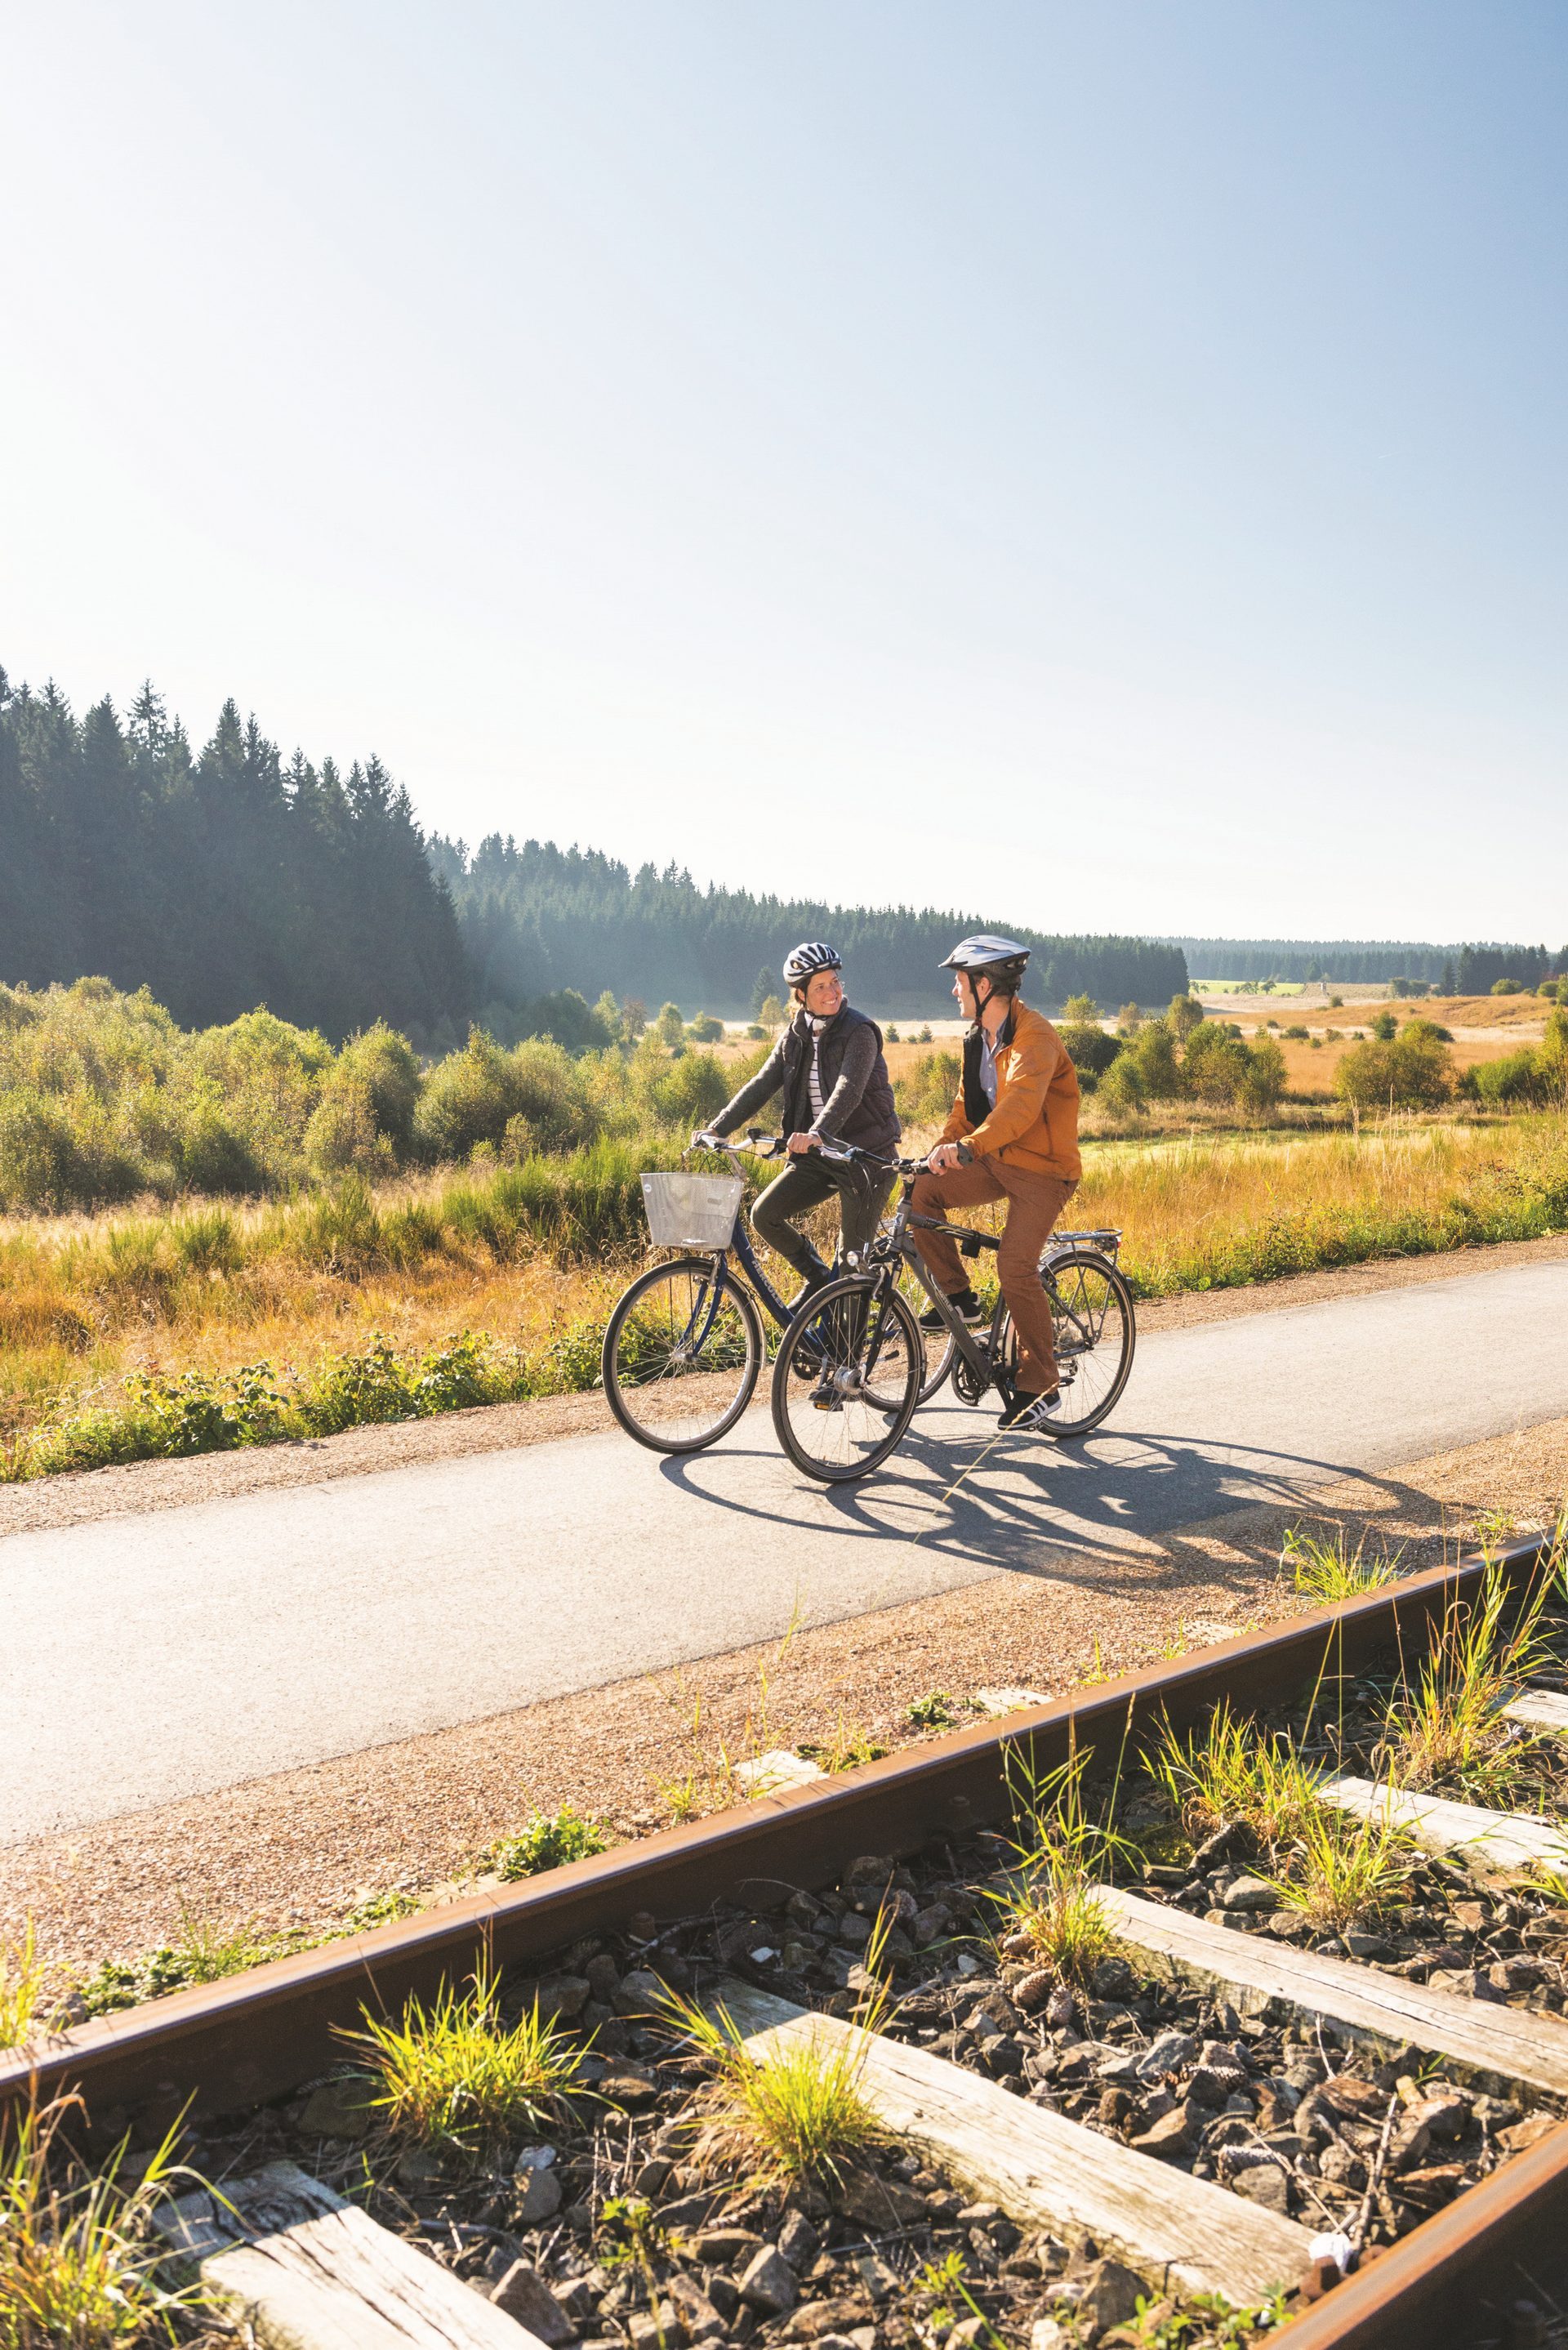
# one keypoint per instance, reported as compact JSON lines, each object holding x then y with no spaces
{"x":1198,"y":1209}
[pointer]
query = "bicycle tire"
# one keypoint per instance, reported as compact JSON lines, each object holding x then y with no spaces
{"x":645,"y":1428}
{"x":1064,"y":1422}
{"x":897,"y":1417}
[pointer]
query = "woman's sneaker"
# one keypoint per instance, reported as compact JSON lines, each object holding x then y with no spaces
{"x":965,"y":1304}
{"x":1029,"y":1413}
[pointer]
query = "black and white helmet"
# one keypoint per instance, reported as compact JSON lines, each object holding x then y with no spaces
{"x":1001,"y":959}
{"x":804,"y":961}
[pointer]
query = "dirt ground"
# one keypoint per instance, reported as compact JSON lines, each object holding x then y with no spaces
{"x":303,"y":1847}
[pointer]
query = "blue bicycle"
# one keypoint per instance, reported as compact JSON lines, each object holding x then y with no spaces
{"x":684,"y":1346}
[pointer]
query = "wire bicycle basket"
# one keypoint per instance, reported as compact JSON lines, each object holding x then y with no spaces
{"x":692,"y":1211}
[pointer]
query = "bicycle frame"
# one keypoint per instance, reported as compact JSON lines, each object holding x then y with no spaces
{"x":779,"y":1310}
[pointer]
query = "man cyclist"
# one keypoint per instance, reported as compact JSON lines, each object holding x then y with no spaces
{"x":829,"y":1065}
{"x":1011,"y":1134}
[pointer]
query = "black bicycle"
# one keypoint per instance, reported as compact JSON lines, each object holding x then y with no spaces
{"x":685,"y":1344}
{"x":843,"y":1408}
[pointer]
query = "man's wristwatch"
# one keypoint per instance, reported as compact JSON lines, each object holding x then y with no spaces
{"x":966,"y":1155}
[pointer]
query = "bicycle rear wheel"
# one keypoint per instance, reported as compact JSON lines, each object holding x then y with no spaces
{"x":1092,"y":1332}
{"x":682,"y":1353}
{"x":840,"y":1416}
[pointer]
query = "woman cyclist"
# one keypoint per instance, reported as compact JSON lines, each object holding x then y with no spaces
{"x":829,"y":1066}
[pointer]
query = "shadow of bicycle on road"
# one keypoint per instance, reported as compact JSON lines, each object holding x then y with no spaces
{"x":1086,"y":1512}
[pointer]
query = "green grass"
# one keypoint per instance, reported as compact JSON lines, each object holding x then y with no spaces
{"x":1229,"y":1770}
{"x":1050,"y":1913}
{"x":453,"y":2076}
{"x":1326,"y":1571}
{"x":1448,"y":1730}
{"x":549,"y":1840}
{"x":79,"y":2255}
{"x":21,"y":1989}
{"x":1341,"y":1872}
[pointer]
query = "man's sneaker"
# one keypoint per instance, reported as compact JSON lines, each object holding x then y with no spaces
{"x":964,"y":1302}
{"x":1029,"y":1412}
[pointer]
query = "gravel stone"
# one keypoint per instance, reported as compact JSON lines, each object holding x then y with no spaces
{"x":768,"y":2284}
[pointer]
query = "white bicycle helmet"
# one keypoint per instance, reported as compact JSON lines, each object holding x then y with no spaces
{"x":1002,"y":959}
{"x":804,"y":962}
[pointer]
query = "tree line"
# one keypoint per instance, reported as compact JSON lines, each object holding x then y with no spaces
{"x":1454,"y":970}
{"x":536,"y":917}
{"x":226,"y":878}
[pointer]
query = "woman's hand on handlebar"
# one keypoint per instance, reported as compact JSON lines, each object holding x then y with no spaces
{"x":799,"y":1144}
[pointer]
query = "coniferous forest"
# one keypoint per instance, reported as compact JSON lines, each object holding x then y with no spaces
{"x":226,"y":877}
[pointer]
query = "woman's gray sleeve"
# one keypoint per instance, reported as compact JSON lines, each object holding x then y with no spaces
{"x":752,"y":1094}
{"x":854,"y":1076}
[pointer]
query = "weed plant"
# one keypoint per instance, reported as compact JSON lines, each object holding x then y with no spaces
{"x":1324,"y":1569}
{"x":549,"y":1840}
{"x":798,"y":2110}
{"x":1230,"y":1771}
{"x":1448,"y":1730}
{"x":1341,"y":1871}
{"x":1050,"y":1910}
{"x":21,"y":1990}
{"x":454,"y":2075}
{"x":79,"y":2254}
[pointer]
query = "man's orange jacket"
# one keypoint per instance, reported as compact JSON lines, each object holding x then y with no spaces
{"x":1035,"y":1121}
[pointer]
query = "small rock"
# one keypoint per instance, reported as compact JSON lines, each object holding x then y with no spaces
{"x":538,"y":2188}
{"x":875,"y":2274}
{"x":524,"y":2295}
{"x":799,"y":2243}
{"x":878,"y":2203}
{"x":855,"y":1929}
{"x":970,"y":2332}
{"x":1169,"y":2053}
{"x":1366,"y":1946}
{"x":628,"y":2084}
{"x":1249,"y":1894}
{"x":639,"y":1993}
{"x":726,"y":2248}
{"x":339,"y":2108}
{"x":1529,"y":2132}
{"x":768,"y":2284}
{"x":603,"y":1976}
{"x":816,"y":2321}
{"x":1168,"y":2136}
{"x":1268,"y":2184}
{"x":1109,"y":2292}
{"x":565,"y":1995}
{"x":696,"y":2312}
{"x":418,"y":2167}
{"x":644,"y":2329}
{"x":929,"y":1924}
{"x":1046,"y":2335}
{"x":644,"y":1927}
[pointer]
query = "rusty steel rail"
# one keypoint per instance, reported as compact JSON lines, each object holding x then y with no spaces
{"x":258,"y":2035}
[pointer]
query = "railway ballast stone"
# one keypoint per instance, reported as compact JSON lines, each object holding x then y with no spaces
{"x":768,"y":2284}
{"x":522,"y":2293}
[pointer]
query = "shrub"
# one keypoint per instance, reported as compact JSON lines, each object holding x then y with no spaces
{"x":669,"y":1027}
{"x":1184,"y":1014}
{"x":705,"y":1030}
{"x":1508,"y":987}
{"x":1264,"y":1079}
{"x":387,"y":1066}
{"x":1514,"y":1078}
{"x":1385,"y":1027}
{"x":1090,"y":1049}
{"x":343,"y":1131}
{"x":1414,"y":1072}
{"x":1152,"y":1055}
{"x":1215,"y":1064}
{"x":1296,"y":1034}
{"x":470,"y":1096}
{"x":1120,"y":1088}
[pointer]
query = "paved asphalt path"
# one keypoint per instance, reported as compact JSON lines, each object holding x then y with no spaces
{"x":147,"y":1658}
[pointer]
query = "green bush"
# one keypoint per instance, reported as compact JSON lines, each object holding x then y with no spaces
{"x":1414,"y":1072}
{"x":705,"y":1030}
{"x":549,"y":1840}
{"x":1091,"y":1051}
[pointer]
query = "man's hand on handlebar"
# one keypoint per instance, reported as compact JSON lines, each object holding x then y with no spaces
{"x":943,"y":1156}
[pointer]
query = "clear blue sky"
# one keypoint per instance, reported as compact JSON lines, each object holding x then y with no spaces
{"x":1102,"y":464}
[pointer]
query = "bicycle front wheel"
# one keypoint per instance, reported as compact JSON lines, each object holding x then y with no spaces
{"x":847,"y":1379}
{"x":1092,"y":1332}
{"x":682,"y":1353}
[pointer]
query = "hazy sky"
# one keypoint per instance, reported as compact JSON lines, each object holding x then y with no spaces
{"x":1102,"y":464}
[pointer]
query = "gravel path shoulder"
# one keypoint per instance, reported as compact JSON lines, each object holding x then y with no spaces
{"x":303,"y":1847}
{"x":88,"y":1494}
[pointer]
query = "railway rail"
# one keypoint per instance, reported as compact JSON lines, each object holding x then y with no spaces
{"x":1457,"y":2277}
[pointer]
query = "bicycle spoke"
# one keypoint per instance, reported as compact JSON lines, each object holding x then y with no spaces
{"x":839,"y":1416}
